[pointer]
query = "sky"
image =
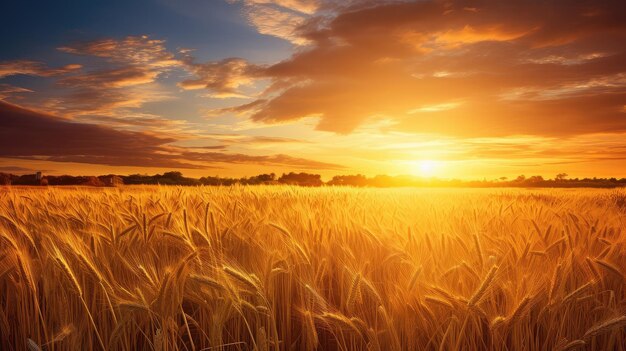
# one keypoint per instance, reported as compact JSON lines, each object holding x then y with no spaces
{"x":450,"y":89}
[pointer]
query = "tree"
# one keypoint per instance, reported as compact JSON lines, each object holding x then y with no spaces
{"x":561,"y":176}
{"x":92,"y":181}
{"x":535,"y":179}
{"x":260,"y":179}
{"x":303,"y":179}
{"x":5,"y":179}
{"x":353,"y":180}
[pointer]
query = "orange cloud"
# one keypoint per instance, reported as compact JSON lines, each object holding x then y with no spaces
{"x":222,"y":78}
{"x":302,"y":6}
{"x":33,"y":68}
{"x":277,"y":22}
{"x":362,"y":66}
{"x":138,"y":50}
{"x":113,"y":78}
{"x":7,"y":90}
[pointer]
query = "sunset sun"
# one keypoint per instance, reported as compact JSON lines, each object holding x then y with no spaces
{"x":427,"y":167}
{"x":424,"y":168}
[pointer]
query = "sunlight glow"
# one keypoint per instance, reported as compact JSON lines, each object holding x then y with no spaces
{"x":425,"y":168}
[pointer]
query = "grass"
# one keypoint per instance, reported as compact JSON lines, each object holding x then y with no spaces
{"x":269,"y":268}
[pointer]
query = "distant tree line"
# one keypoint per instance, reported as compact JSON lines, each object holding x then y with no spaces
{"x":308,"y":179}
{"x":560,"y":181}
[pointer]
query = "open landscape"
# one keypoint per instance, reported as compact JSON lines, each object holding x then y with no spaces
{"x":315,"y":175}
{"x":294,"y":268}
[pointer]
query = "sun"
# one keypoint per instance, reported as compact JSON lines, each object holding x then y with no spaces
{"x":427,"y":167}
{"x":424,"y":168}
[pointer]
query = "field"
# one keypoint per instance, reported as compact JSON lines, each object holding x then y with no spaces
{"x":277,"y":267}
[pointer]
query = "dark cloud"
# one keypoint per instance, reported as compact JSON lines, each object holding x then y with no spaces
{"x":35,"y":135}
{"x":15,"y":169}
{"x":25,"y":133}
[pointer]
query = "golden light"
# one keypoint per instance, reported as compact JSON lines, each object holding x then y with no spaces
{"x":424,"y":168}
{"x":427,"y":167}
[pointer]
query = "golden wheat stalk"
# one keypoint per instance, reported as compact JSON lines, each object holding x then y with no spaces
{"x":573,"y":345}
{"x":609,"y":267}
{"x":353,"y":291}
{"x":483,"y":286}
{"x":606,"y":326}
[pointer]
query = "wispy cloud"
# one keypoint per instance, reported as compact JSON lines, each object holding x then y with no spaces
{"x":138,"y":50}
{"x":222,"y":78}
{"x":121,"y":76}
{"x":7,"y":91}
{"x":276,"y":21}
{"x":33,"y":68}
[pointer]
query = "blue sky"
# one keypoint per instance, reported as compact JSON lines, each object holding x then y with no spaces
{"x":214,"y":28}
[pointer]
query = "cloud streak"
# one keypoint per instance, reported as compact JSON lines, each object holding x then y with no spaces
{"x":33,"y":68}
{"x":34,"y":135}
{"x":138,"y":50}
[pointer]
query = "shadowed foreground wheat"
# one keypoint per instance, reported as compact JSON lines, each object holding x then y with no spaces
{"x":268,"y":268}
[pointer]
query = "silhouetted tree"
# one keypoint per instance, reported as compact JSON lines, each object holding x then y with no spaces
{"x":92,"y":181}
{"x":352,"y":180}
{"x":560,"y":176}
{"x":260,"y":179}
{"x":5,"y":179}
{"x":303,"y":179}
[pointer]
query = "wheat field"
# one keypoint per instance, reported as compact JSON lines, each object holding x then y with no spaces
{"x":289,"y":268}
